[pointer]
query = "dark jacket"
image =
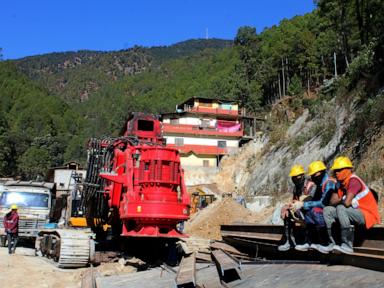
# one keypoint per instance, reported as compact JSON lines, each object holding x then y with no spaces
{"x":11,"y":222}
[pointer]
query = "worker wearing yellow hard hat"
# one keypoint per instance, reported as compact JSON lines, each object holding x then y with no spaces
{"x":341,"y":162}
{"x":313,"y":209}
{"x":296,"y":170}
{"x":354,"y":203}
{"x":11,"y":227}
{"x":289,"y":213}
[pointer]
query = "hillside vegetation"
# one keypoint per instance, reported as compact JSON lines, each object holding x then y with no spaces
{"x":91,"y":93}
{"x":75,"y":75}
{"x":37,"y":130}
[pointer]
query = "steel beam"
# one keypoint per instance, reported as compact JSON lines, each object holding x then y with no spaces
{"x":229,"y":268}
{"x":186,"y":275}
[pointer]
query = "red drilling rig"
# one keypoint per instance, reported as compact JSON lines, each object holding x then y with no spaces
{"x":136,"y":183}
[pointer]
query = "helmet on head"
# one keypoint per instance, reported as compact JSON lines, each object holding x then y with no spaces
{"x":341,"y":163}
{"x":13,"y":207}
{"x":316,"y":166}
{"x":296,"y":170}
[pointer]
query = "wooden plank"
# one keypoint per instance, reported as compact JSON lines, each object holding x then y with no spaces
{"x":185,"y":248}
{"x":88,"y":279}
{"x":225,"y":247}
{"x":368,"y":250}
{"x":203,"y":257}
{"x":252,"y":235}
{"x":186,"y":275}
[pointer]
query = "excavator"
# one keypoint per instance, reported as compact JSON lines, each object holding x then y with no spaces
{"x":134,"y":188}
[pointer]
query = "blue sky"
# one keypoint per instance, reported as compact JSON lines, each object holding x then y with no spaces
{"x":30,"y":27}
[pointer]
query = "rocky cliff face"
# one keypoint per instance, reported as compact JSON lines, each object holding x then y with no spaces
{"x":261,"y":167}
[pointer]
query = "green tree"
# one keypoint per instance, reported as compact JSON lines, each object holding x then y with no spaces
{"x":295,"y":86}
{"x":35,"y":161}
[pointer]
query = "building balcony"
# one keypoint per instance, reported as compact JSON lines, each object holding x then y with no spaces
{"x":208,"y":110}
{"x":199,"y":130}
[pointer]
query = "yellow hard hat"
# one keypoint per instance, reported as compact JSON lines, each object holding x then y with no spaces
{"x":13,"y":207}
{"x":296,"y":170}
{"x":341,"y":163}
{"x":315,"y":167}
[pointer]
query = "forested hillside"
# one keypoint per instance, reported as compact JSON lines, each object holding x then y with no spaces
{"x":37,"y":130}
{"x":75,"y":75}
{"x":65,"y":98}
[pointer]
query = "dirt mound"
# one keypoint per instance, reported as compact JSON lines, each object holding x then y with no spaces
{"x":206,"y":223}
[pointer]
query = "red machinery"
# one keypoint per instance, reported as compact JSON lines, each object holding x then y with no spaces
{"x":136,"y":182}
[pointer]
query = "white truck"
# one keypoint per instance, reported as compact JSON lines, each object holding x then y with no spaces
{"x":34,"y":201}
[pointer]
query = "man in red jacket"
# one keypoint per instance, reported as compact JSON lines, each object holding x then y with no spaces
{"x":11,"y":226}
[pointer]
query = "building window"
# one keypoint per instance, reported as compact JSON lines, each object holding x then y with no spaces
{"x":179,"y":141}
{"x":145,"y":125}
{"x":175,"y":121}
{"x":205,"y":163}
{"x":222,"y":144}
{"x":204,"y":123}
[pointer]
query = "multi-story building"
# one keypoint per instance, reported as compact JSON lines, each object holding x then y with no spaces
{"x":204,"y":130}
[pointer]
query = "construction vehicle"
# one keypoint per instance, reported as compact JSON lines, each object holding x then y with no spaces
{"x":134,"y":184}
{"x":200,"y":200}
{"x":34,"y":201}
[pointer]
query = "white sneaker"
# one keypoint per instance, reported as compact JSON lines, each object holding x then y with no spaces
{"x":326,"y":249}
{"x":315,"y":247}
{"x":303,"y":247}
{"x":344,"y":248}
{"x":284,"y":247}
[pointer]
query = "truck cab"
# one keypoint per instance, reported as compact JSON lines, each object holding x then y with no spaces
{"x":34,"y":200}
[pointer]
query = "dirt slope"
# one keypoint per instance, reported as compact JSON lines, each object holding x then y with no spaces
{"x":206,"y":223}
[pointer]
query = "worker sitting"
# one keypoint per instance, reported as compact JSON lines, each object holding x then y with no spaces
{"x":289,"y":212}
{"x":313,"y":209}
{"x":354,"y":203}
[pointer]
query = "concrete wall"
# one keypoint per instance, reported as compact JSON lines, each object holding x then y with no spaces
{"x":202,"y":141}
{"x":63,"y":180}
{"x":197,"y":161}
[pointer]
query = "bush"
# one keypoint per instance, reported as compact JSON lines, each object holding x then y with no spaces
{"x":372,"y":114}
{"x":361,"y":64}
{"x":295,"y":87}
{"x":312,"y":105}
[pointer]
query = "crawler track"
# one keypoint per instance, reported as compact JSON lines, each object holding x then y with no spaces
{"x":70,"y":248}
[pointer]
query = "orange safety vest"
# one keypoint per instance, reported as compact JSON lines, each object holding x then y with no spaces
{"x":365,"y":202}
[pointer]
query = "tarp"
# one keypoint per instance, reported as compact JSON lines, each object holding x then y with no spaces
{"x":228,"y":127}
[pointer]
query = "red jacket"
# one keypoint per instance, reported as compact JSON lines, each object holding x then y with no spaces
{"x":11,"y":222}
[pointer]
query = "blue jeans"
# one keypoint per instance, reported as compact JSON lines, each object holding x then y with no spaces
{"x":12,"y":242}
{"x":314,"y":216}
